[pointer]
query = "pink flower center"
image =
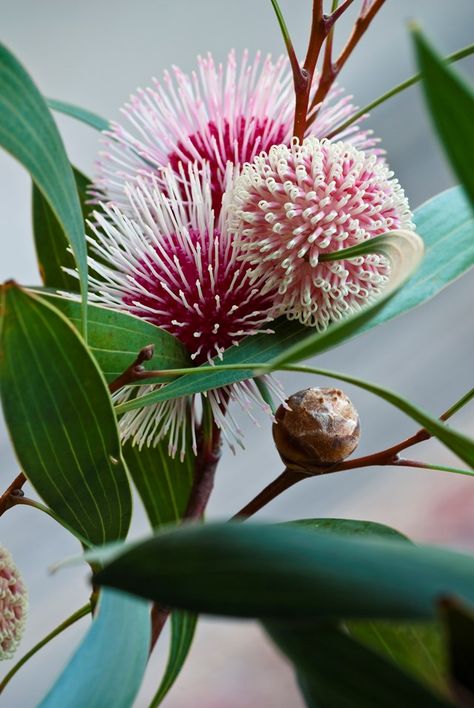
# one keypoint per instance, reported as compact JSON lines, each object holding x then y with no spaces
{"x":197,"y":290}
{"x":217,"y":146}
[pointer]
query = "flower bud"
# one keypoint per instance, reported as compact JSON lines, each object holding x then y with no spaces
{"x":316,"y":427}
{"x":13,"y":605}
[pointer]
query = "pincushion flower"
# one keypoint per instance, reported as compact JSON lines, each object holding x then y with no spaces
{"x":167,"y":261}
{"x":13,"y":605}
{"x":216,"y":115}
{"x":293,"y":204}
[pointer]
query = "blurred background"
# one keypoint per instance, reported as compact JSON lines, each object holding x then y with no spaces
{"x":95,"y":54}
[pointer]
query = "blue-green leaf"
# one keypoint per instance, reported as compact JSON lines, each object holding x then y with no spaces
{"x":81,"y":114}
{"x":256,"y":570}
{"x":108,"y":667}
{"x":29,"y":133}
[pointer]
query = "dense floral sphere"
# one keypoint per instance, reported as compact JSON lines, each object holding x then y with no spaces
{"x":13,"y":605}
{"x":220,"y":113}
{"x":293,"y":204}
{"x":166,"y":259}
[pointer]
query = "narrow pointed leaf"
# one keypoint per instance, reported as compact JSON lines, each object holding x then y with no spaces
{"x":60,"y":418}
{"x":81,"y":114}
{"x":183,"y":626}
{"x":291,"y":341}
{"x":115,"y":338}
{"x":51,"y":241}
{"x":451,"y":105}
{"x":29,"y":133}
{"x":253,"y":570}
{"x":336,"y":670}
{"x":163,"y":483}
{"x":108,"y":667}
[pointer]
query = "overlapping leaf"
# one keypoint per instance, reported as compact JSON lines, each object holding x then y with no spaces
{"x":51,"y":241}
{"x":60,"y":418}
{"x":252,"y":570}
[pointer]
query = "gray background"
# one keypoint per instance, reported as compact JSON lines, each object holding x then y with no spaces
{"x":94,"y":54}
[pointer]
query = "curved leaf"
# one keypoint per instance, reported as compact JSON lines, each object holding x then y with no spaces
{"x":446,"y":225}
{"x":163,"y":483}
{"x":291,"y":341}
{"x":451,"y":105}
{"x":183,"y":626}
{"x":459,"y":623}
{"x":60,"y":418}
{"x":108,"y":667}
{"x":81,"y":114}
{"x":29,"y":133}
{"x":51,"y":241}
{"x":253,"y":570}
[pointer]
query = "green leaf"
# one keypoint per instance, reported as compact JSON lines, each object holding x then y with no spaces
{"x":459,"y":624}
{"x":60,"y":418}
{"x":446,"y":226}
{"x":183,"y":626}
{"x":115,"y":338}
{"x":336,"y":670}
{"x":253,"y":570}
{"x":259,"y":347}
{"x":163,"y":483}
{"x":415,"y":647}
{"x":29,"y":133}
{"x":291,"y":340}
{"x":81,"y":114}
{"x":451,"y":104}
{"x":108,"y":667}
{"x":51,"y":241}
{"x":349,"y":527}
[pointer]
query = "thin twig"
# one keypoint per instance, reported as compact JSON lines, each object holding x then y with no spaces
{"x":387,"y":457}
{"x":136,"y":371}
{"x":207,"y":459}
{"x":331,"y":71}
{"x":7,"y":498}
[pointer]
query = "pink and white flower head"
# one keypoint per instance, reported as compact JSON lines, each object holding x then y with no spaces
{"x":216,"y":115}
{"x":13,"y":605}
{"x":293,"y":204}
{"x":167,"y":261}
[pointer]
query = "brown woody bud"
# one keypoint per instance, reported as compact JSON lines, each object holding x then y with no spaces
{"x":317,"y":427}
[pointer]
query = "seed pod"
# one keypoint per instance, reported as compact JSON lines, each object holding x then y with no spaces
{"x":317,"y":427}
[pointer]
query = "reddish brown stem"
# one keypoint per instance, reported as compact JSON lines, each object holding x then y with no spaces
{"x":332,"y":69}
{"x":319,"y":30}
{"x":209,"y":451}
{"x":7,"y":499}
{"x":135,"y":372}
{"x":381,"y":458}
{"x":286,"y":480}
